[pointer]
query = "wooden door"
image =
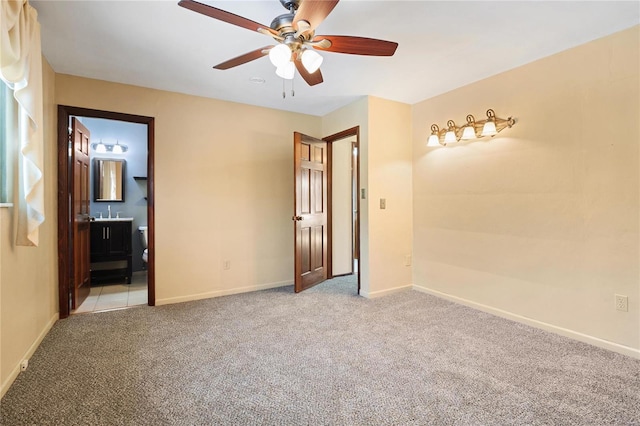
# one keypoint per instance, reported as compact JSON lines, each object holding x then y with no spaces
{"x":310,"y":218}
{"x":80,"y":213}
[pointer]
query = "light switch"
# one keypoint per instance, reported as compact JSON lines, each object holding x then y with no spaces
{"x":383,"y":203}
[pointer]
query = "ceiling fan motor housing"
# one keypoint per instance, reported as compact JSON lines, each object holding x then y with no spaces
{"x":283,"y":23}
{"x":290,"y":5}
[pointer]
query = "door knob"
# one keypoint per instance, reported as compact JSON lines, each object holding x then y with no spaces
{"x":297,"y":218}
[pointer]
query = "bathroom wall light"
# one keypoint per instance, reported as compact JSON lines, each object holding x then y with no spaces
{"x":471,"y":130}
{"x":118,"y":149}
{"x":99,"y":147}
{"x":102,"y":148}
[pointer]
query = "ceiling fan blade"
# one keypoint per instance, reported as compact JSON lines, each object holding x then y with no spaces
{"x":314,"y":12}
{"x":311,"y":79}
{"x":224,"y":16}
{"x":356,"y":45}
{"x":243,"y":59}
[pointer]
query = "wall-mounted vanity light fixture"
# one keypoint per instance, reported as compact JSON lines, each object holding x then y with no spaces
{"x":103,"y":148}
{"x":471,"y":130}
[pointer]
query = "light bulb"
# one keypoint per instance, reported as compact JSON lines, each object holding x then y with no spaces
{"x":489,"y":129}
{"x":101,"y":148}
{"x":117,"y":149}
{"x":280,"y":55}
{"x":468,"y":133}
{"x":450,"y":137}
{"x":311,"y":60}
{"x":433,"y":140}
{"x":286,"y":71}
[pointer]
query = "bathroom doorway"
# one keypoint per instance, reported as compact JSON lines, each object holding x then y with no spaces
{"x":120,"y":278}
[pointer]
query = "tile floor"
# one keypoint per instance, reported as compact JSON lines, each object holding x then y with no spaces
{"x":116,"y":296}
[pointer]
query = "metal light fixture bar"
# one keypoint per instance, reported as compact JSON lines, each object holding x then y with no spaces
{"x":102,"y":148}
{"x":471,"y":130}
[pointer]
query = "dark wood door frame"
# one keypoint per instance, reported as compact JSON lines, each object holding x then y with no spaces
{"x":352,"y":132}
{"x":65,"y":237}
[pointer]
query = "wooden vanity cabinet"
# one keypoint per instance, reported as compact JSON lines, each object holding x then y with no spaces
{"x":111,"y":251}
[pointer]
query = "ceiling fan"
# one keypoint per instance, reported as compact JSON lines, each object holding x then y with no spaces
{"x":295,"y":34}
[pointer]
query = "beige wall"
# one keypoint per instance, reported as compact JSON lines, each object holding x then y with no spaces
{"x":541,"y":222}
{"x":223,"y":186}
{"x":390,"y":171}
{"x":29,"y":275}
{"x":385,"y":172}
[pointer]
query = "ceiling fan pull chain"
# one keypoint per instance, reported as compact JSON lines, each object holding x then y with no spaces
{"x":284,"y":94}
{"x":293,"y":92}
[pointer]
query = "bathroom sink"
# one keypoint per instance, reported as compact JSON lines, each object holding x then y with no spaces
{"x":113,"y":219}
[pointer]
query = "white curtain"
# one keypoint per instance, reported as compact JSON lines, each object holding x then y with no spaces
{"x":21,"y":69}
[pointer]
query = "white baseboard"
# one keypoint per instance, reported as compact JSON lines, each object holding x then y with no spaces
{"x":386,"y":292}
{"x":218,"y":293}
{"x":27,"y":355}
{"x":585,"y":338}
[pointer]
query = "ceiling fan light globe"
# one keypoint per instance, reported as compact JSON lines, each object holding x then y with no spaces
{"x":280,"y":55}
{"x":311,"y":60}
{"x":286,"y":71}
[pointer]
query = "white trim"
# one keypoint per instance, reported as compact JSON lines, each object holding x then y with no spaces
{"x":5,"y":205}
{"x":219,"y":293}
{"x":585,"y":338}
{"x":16,"y":370}
{"x":386,"y":292}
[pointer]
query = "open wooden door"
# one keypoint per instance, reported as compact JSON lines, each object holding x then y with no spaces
{"x":310,"y":218}
{"x":80,"y":213}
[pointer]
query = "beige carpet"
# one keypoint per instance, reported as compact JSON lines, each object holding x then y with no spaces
{"x":323,"y":357}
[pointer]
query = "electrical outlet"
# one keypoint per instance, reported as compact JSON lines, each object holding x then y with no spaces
{"x":24,"y":364}
{"x":407,"y":260}
{"x":226,"y":265}
{"x":622,"y":303}
{"x":383,"y":203}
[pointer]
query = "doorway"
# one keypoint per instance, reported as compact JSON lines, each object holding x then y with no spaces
{"x":344,"y":203}
{"x":326,"y":208}
{"x":144,"y":179}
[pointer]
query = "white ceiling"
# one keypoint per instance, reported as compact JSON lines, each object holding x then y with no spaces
{"x":442,"y":45}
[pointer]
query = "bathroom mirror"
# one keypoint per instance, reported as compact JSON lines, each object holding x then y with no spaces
{"x":108,"y":180}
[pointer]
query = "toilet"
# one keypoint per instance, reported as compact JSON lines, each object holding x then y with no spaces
{"x":145,"y":241}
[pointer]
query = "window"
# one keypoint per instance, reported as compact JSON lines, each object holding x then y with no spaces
{"x":8,"y":126}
